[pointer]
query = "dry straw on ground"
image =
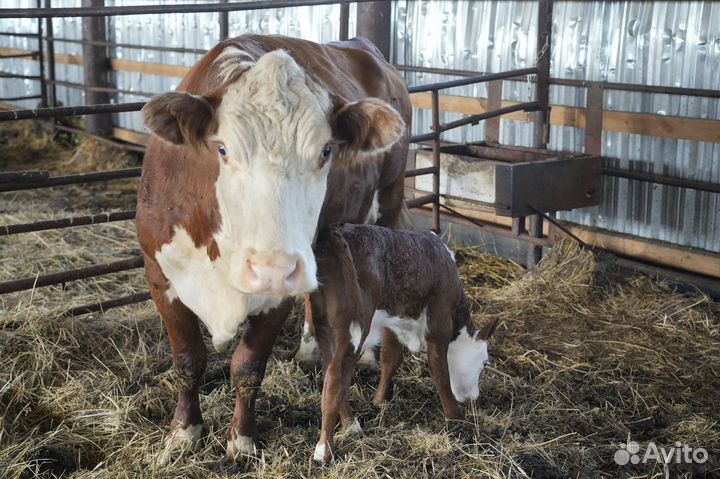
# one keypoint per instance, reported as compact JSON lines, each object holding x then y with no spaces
{"x":585,"y":358}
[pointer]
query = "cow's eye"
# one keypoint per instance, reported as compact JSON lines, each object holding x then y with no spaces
{"x":222,"y":150}
{"x":327,"y":151}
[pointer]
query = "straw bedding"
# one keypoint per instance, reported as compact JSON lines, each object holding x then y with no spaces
{"x":586,"y":357}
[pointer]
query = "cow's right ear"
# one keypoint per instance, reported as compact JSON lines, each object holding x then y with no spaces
{"x":370,"y":126}
{"x":181,"y":118}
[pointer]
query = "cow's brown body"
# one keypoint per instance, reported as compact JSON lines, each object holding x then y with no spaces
{"x":177,"y":190}
{"x":376,"y":281}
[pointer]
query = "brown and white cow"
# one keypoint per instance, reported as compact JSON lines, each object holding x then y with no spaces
{"x":266,"y":140}
{"x":396,"y":288}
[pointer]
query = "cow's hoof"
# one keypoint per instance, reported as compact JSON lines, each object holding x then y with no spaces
{"x":184,"y":437}
{"x":354,"y":428}
{"x":323,"y":454}
{"x":179,"y":441}
{"x":368,"y":359}
{"x":240,"y":446}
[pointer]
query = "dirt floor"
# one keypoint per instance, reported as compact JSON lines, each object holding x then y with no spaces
{"x":585,"y":359}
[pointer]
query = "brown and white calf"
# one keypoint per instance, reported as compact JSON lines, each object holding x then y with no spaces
{"x":396,"y":288}
{"x":266,"y":140}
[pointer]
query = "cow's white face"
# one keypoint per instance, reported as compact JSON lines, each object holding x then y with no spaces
{"x":275,"y":132}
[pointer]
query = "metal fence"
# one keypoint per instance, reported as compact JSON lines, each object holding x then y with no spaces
{"x":41,"y":179}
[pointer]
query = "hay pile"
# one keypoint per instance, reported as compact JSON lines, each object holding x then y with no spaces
{"x":585,"y":358}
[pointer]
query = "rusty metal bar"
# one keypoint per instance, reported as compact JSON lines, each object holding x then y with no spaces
{"x":52,"y":91}
{"x":21,"y":77}
{"x":471,"y":80}
{"x":11,"y":115}
{"x":67,"y":222}
{"x":20,"y":55}
{"x":16,"y":98}
{"x":594,"y":96}
{"x":105,"y":305}
{"x":436,"y":160}
{"x":430,"y":170}
{"x":661,"y":179}
{"x":224,"y":23}
{"x":70,"y":275}
{"x":30,"y":175}
{"x":344,"y":20}
{"x":72,"y":179}
{"x":492,"y":126}
{"x":420,"y":201}
{"x":474,"y":119}
{"x":493,"y":228}
{"x":639,"y":88}
{"x":162,"y":9}
{"x":41,"y":60}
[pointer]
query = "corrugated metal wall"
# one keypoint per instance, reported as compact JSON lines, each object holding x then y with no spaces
{"x":659,"y":43}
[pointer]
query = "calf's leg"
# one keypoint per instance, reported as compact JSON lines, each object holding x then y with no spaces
{"x":391,"y":355}
{"x":336,"y":383}
{"x":247,"y":370}
{"x":437,"y":359}
{"x":189,"y":358}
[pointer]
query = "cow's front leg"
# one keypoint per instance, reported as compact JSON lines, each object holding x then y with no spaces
{"x":247,"y":370}
{"x":189,"y":358}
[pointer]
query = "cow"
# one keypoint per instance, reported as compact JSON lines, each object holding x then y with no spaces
{"x":392,"y":288}
{"x":266,"y":140}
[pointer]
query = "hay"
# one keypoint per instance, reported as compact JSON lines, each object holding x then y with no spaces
{"x":584,"y":358}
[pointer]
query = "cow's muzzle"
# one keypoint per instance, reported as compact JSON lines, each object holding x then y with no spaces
{"x":277,"y":274}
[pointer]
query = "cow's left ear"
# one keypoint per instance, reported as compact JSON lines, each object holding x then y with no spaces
{"x":488,"y":330}
{"x":370,"y":125}
{"x":181,"y":118}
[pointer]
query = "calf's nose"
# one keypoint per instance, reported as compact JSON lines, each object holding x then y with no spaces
{"x":273,"y":274}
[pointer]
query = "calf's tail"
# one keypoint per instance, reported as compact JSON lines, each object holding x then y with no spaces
{"x":340,"y":250}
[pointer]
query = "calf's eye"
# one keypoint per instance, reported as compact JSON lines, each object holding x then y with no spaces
{"x":222,"y":150}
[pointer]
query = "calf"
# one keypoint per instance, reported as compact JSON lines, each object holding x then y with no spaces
{"x":391,"y":287}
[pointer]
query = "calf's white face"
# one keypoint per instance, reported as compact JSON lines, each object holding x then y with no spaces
{"x":274,"y":132}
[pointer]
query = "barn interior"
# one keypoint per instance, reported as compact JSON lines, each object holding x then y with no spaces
{"x":608,"y":302}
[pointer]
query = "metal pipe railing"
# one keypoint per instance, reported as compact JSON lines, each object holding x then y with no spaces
{"x":164,"y":9}
{"x":16,"y":285}
{"x":474,"y":79}
{"x":71,"y":179}
{"x":67,"y":222}
{"x":11,"y":115}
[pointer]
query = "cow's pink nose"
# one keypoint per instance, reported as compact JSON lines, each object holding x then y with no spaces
{"x":276,"y":275}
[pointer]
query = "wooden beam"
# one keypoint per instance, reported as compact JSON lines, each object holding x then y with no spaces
{"x":130,"y":136}
{"x":158,"y":69}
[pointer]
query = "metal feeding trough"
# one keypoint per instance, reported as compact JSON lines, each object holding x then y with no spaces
{"x":513,"y":181}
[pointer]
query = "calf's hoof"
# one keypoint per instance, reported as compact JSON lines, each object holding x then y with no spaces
{"x":354,"y":428}
{"x":308,"y":355}
{"x":240,"y":446}
{"x":323,"y":454}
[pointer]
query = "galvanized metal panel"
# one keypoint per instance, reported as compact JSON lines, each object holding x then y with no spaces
{"x":662,"y":43}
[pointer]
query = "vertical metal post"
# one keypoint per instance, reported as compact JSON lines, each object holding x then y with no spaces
{"x":436,"y":161}
{"x":344,"y":20}
{"x":374,"y":23}
{"x":96,"y":68}
{"x":593,"y":118}
{"x":52,"y":88}
{"x":223,"y":20}
{"x":41,"y":60}
{"x":541,"y":133}
{"x":492,"y":125}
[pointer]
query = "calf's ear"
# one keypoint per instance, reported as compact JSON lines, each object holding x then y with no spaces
{"x":181,"y":118}
{"x":370,"y":125}
{"x":488,"y":330}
